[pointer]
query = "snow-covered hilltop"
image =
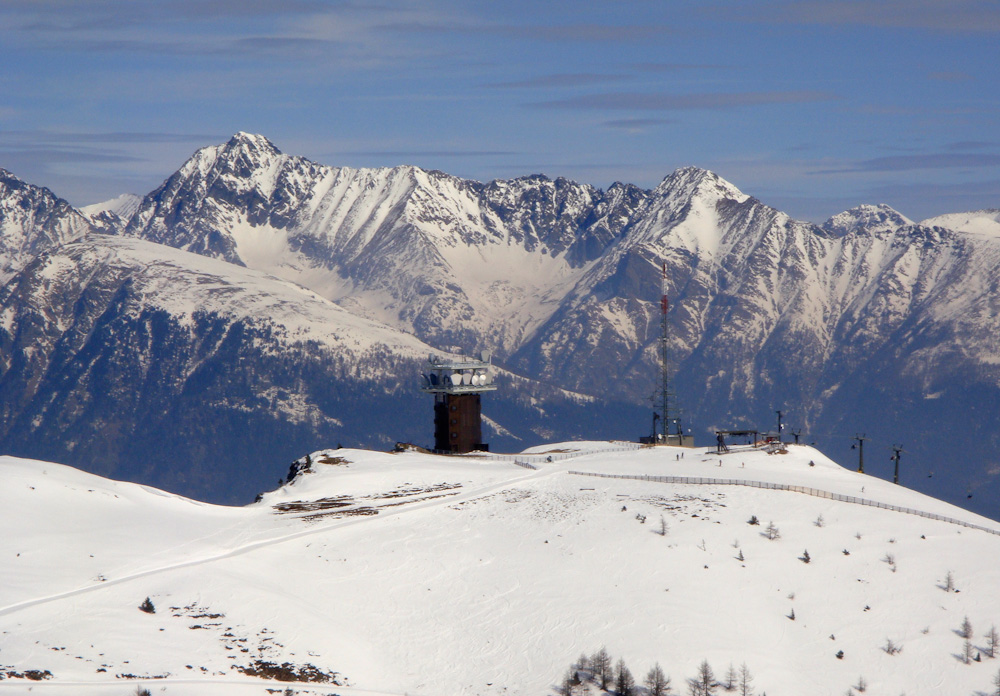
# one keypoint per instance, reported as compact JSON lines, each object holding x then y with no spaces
{"x":979,"y":222}
{"x":384,"y":574}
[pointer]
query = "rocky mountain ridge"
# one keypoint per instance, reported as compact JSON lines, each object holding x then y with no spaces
{"x":32,"y":219}
{"x":869,"y":323}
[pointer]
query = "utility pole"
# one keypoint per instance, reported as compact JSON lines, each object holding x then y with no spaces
{"x":896,"y":451}
{"x":795,"y":434}
{"x":780,"y":414}
{"x":860,"y":447}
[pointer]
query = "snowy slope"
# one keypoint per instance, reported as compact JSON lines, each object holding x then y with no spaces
{"x":409,"y":573}
{"x":978,"y":222}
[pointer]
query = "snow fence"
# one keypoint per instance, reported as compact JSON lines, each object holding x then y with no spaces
{"x":786,"y":487}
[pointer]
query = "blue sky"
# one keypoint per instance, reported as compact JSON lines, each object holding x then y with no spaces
{"x":812,"y":106}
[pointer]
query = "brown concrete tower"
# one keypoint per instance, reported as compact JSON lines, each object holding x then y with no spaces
{"x":456,"y":386}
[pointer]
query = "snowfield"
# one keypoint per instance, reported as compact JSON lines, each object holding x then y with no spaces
{"x":408,"y":573}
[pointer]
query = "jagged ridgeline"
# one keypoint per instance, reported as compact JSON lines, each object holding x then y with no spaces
{"x":870,"y":323}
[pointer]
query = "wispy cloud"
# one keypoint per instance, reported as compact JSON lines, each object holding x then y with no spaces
{"x":66,"y":16}
{"x":637,"y":125}
{"x":945,"y":76}
{"x":956,"y":16}
{"x":677,"y":67}
{"x":965,"y":145}
{"x":40,"y":158}
{"x":658,"y":101}
{"x":900,"y":163}
{"x":561,"y":80}
{"x":581,"y":32}
{"x":590,"y":33}
{"x":332,"y":32}
{"x":33,"y":138}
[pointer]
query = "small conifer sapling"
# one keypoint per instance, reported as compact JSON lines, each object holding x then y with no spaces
{"x":992,"y":642}
{"x":624,"y":682}
{"x":729,"y":683}
{"x":745,"y":681}
{"x":657,"y":683}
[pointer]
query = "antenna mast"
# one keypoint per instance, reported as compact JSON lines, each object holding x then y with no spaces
{"x":664,"y":371}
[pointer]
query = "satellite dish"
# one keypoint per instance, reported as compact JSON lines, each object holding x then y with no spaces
{"x":434,"y":378}
{"x":467,"y":378}
{"x":456,"y":378}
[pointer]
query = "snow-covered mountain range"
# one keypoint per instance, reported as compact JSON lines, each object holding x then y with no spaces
{"x":153,"y":363}
{"x":868,"y":324}
{"x":376,"y":574}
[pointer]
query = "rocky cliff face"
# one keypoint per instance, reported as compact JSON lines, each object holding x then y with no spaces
{"x":32,"y":219}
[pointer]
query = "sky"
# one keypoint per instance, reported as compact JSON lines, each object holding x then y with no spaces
{"x":813,"y":106}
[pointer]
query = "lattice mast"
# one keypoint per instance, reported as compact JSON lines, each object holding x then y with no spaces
{"x":664,"y":363}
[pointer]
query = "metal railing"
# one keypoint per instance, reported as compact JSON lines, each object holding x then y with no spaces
{"x":786,"y":487}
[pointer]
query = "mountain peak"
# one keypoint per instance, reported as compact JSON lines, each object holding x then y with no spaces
{"x":124,"y":205}
{"x":32,"y":219}
{"x":691,"y":181}
{"x":251,"y":142}
{"x":874,"y":218}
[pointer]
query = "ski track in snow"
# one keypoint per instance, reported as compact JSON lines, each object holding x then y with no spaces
{"x":274,"y":541}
